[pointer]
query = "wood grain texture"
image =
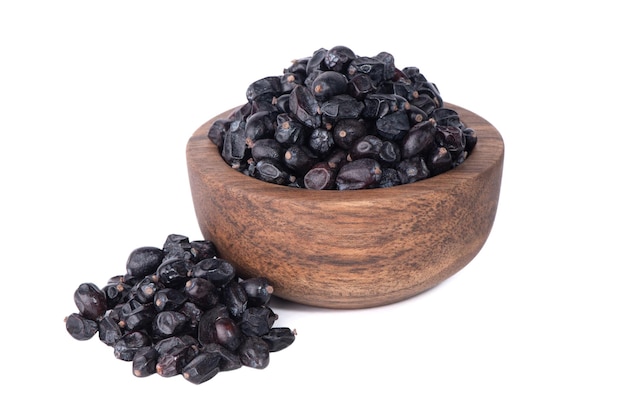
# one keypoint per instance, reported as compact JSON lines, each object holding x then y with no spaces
{"x":349,"y":249}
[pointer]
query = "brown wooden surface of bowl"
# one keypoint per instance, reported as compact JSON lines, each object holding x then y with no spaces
{"x":353,"y":248}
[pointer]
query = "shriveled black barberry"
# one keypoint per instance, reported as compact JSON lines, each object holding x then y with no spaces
{"x":191,"y":315}
{"x":363,"y":173}
{"x":217,"y":270}
{"x":126,"y":347}
{"x":201,"y":368}
{"x":80,"y":327}
{"x":90,"y":301}
{"x":145,"y":361}
{"x":254,"y":352}
{"x":144,"y":261}
{"x":279,"y":338}
{"x":169,"y":299}
{"x":258,"y":290}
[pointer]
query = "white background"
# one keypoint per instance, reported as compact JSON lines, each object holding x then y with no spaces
{"x":98,"y":99}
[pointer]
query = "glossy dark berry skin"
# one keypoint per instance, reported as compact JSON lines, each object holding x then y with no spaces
{"x":202,"y":368}
{"x":328,"y":101}
{"x":90,"y":301}
{"x":279,"y":338}
{"x":255,"y":353}
{"x":80,"y":327}
{"x":145,"y":361}
{"x":144,"y":261}
{"x":363,"y":173}
{"x":214,"y":321}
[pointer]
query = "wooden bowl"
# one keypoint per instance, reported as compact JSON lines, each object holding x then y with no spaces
{"x":352,"y":248}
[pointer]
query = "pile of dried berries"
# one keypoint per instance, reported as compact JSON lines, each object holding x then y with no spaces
{"x":181,"y":309}
{"x":335,"y":120}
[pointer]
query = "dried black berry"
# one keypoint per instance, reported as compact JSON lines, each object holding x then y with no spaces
{"x":80,"y":327}
{"x":144,"y":261}
{"x":169,"y":299}
{"x":321,"y":176}
{"x":201,"y":368}
{"x":145,"y":361}
{"x":169,"y":323}
{"x":326,"y":102}
{"x":213,"y":321}
{"x":305,"y":107}
{"x":254,"y":352}
{"x":109,"y":330}
{"x":258,"y":290}
{"x":359,"y":174}
{"x":257,"y":320}
{"x":90,"y":301}
{"x":279,"y":338}
{"x":126,"y":347}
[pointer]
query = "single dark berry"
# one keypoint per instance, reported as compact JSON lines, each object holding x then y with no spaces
{"x":226,"y":332}
{"x":279,"y":338}
{"x":217,"y":270}
{"x":389,"y":178}
{"x":259,"y":125}
{"x":173,"y":362}
{"x":288,"y":131}
{"x":321,"y":142}
{"x":176,"y":246}
{"x":90,"y":301}
{"x":144,"y":261}
{"x":305,"y":107}
{"x":193,"y":312}
{"x":201,"y":249}
{"x":360,"y":86}
{"x":202,"y":368}
{"x":235,"y":148}
{"x":412,"y":170}
{"x":373,"y":67}
{"x":109,"y":331}
{"x":264,"y":89}
{"x":320,"y":177}
{"x":419,"y":140}
{"x":272,"y":171}
{"x":174,"y":273}
{"x":201,"y":291}
{"x":169,"y":299}
{"x":207,"y":322}
{"x":145,"y":289}
{"x":136,"y":316}
{"x":258,"y":289}
{"x":359,"y":174}
{"x":235,"y":298}
{"x":145,"y":361}
{"x":126,"y":347}
{"x":329,"y":84}
{"x":390,"y":153}
{"x":299,"y":159}
{"x":169,"y":323}
{"x":338,"y":58}
{"x":368,"y":146}
{"x":80,"y":327}
{"x":267,"y":149}
{"x":257,"y":321}
{"x":254,"y":352}
{"x":316,"y":61}
{"x":393,"y":126}
{"x":439,"y":161}
{"x":342,"y":106}
{"x":218,"y":130}
{"x":346,"y":131}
